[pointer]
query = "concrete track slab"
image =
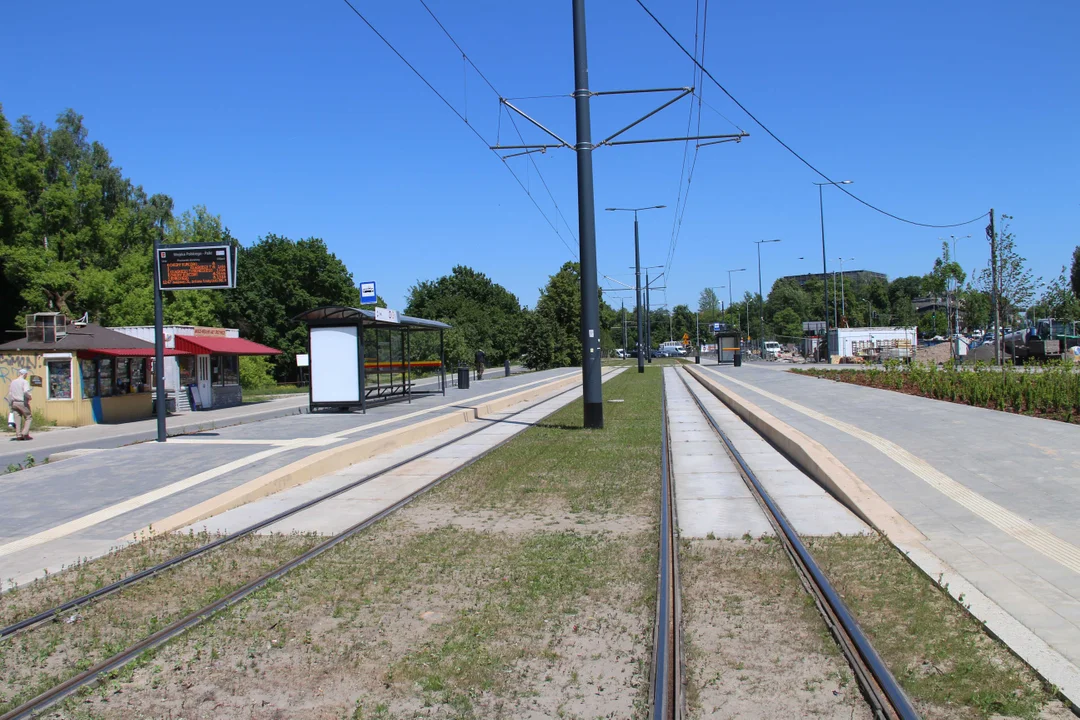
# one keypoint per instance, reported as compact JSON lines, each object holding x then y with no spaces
{"x":710,"y":493}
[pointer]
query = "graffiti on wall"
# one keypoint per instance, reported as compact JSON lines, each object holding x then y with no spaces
{"x":11,"y":364}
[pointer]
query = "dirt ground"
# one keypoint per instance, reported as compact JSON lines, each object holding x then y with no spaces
{"x":756,"y":647}
{"x":442,"y":612}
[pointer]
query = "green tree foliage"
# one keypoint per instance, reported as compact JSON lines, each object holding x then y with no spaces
{"x":256,"y":373}
{"x":1016,"y":280}
{"x":277,"y":279}
{"x":487,"y":315}
{"x":787,"y":325}
{"x":551,"y":333}
{"x":1074,"y":276}
{"x":75,"y":235}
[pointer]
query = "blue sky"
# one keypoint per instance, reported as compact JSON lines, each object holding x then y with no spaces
{"x":293,"y":118}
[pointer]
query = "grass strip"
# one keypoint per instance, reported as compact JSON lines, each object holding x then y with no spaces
{"x":939,"y":653}
{"x":1052,"y":391}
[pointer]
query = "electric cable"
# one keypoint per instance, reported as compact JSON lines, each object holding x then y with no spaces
{"x":495,"y":90}
{"x":787,"y":147}
{"x":460,"y":117}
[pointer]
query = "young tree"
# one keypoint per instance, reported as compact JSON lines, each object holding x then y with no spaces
{"x":708,"y":305}
{"x":1016,"y":282}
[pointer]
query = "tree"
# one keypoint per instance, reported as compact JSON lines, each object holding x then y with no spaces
{"x":1016,"y":282}
{"x":708,"y":306}
{"x":787,"y":325}
{"x":487,"y":314}
{"x":539,"y":342}
{"x":277,"y":279}
{"x":1074,"y":278}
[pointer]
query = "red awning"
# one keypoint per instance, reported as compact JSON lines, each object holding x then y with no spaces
{"x":200,"y":345}
{"x":129,"y":352}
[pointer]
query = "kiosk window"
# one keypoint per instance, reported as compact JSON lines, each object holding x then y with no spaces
{"x":230,"y":370}
{"x":138,"y":374}
{"x":105,"y":377}
{"x":123,"y":377}
{"x":59,"y":379}
{"x":215,"y":370}
{"x":88,"y":369}
{"x":186,"y":363}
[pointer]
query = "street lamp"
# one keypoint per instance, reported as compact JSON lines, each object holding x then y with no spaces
{"x":729,"y":301}
{"x":956,"y":295}
{"x":637,"y":274}
{"x":843,"y":306}
{"x":824,"y":264}
{"x":761,"y":293}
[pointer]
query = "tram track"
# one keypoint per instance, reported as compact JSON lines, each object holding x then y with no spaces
{"x":89,"y":676}
{"x":880,"y":689}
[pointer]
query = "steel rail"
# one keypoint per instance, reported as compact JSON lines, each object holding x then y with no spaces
{"x":666,"y":685}
{"x":58,"y":692}
{"x":884,"y":694}
{"x":195,"y":552}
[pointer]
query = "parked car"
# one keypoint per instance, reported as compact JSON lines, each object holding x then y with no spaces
{"x":620,"y":353}
{"x":772,"y":349}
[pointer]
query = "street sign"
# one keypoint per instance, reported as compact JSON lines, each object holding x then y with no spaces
{"x":196,"y":267}
{"x":368,"y":295}
{"x":303,"y":360}
{"x":716,"y":327}
{"x":386,"y":315}
{"x":686,"y":338}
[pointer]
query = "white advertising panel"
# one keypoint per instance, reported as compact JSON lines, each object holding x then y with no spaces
{"x":335,"y":365}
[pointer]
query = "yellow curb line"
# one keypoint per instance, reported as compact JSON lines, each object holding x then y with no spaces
{"x":817,"y":462}
{"x":332,"y":460}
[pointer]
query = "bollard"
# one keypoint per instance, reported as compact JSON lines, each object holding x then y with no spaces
{"x":738,"y":358}
{"x":463,"y":377}
{"x":506,"y":367}
{"x":697,"y":358}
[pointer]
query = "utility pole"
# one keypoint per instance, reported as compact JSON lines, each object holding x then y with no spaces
{"x":622,"y":305}
{"x":590,"y":293}
{"x":637,"y":282}
{"x":159,"y":342}
{"x":995,"y":292}
{"x":648,"y":320}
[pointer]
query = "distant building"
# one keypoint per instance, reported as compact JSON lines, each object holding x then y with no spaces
{"x":849,"y":276}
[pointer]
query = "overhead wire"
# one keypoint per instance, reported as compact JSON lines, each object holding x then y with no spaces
{"x":686,"y":147}
{"x":509,"y":114}
{"x":460,"y":117}
{"x":787,"y":147}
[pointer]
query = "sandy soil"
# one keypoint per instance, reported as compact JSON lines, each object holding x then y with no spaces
{"x":417,"y":620}
{"x":755,"y":645}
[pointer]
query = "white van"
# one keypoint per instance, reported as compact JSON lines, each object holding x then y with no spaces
{"x":672,"y":348}
{"x":772,"y":349}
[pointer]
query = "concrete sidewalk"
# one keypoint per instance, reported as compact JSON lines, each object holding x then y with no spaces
{"x":57,"y":513}
{"x":50,"y":442}
{"x":997,"y":495}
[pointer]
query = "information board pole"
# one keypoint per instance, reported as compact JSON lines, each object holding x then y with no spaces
{"x":159,"y":345}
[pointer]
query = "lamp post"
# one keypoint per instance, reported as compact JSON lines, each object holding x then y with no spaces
{"x":843,"y":305}
{"x":761,"y":293}
{"x":637,"y":273}
{"x":729,"y":299}
{"x":956,"y":296}
{"x":824,"y":264}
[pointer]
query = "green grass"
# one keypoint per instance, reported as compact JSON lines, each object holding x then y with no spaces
{"x":938,"y":652}
{"x":559,"y":461}
{"x":1051,"y":392}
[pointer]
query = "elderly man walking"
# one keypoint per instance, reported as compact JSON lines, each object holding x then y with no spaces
{"x":19,"y":398}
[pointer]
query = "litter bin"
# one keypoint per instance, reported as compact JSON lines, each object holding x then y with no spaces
{"x":697,"y":358}
{"x":463,"y":377}
{"x":506,"y":367}
{"x":738,"y":358}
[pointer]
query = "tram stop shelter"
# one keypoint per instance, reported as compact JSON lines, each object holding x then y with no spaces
{"x":358,"y":357}
{"x":727,"y":344}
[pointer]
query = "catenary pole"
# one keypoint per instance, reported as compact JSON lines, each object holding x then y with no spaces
{"x":159,"y":341}
{"x":648,"y":320}
{"x":590,"y":300}
{"x":637,"y":280}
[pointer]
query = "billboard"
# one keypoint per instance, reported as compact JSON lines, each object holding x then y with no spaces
{"x":196,"y":267}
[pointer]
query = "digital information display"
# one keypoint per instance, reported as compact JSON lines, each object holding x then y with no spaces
{"x":184,"y":267}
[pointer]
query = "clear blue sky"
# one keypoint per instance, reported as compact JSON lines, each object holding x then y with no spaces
{"x":293,"y":118}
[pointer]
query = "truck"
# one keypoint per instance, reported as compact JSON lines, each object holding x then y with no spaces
{"x":1045,"y":340}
